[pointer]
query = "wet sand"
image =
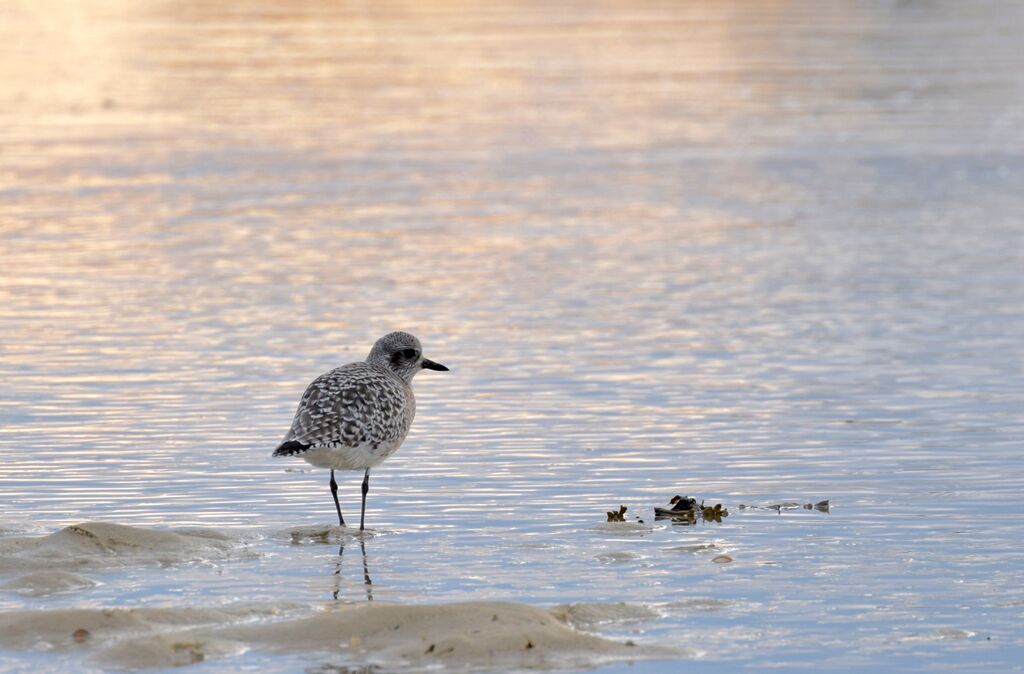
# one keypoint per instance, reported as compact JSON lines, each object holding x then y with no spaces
{"x":475,"y":636}
{"x":102,"y":544}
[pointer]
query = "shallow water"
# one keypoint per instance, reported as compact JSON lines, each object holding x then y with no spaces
{"x":751,"y":254}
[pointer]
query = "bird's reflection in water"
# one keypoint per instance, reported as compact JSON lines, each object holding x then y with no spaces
{"x":367,"y":582}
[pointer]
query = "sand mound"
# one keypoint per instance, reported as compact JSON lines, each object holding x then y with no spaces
{"x":57,"y":629}
{"x":101,"y":544}
{"x":162,"y":651}
{"x":42,"y":583}
{"x":473,"y":636}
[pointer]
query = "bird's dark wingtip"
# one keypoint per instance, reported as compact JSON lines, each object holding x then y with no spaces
{"x":290,"y":448}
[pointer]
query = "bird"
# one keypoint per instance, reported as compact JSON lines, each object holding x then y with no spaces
{"x":357,"y":415}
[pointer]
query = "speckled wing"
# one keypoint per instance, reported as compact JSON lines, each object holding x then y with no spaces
{"x":354,"y":405}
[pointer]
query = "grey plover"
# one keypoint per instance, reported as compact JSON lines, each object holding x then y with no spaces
{"x":357,"y":415}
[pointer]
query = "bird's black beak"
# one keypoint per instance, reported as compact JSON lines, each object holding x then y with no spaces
{"x":431,"y":365}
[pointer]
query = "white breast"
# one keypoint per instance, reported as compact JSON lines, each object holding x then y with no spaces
{"x":343,"y":457}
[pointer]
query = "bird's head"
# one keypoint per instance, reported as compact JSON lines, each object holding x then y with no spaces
{"x":401,"y":353}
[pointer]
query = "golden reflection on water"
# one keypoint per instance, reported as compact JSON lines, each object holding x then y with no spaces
{"x":355,"y":77}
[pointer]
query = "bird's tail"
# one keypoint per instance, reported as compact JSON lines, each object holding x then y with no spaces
{"x":290,"y":448}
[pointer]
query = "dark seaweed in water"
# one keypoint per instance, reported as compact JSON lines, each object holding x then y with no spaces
{"x":686,"y":510}
{"x":620,"y":515}
{"x":617,"y":516}
{"x":682,"y":502}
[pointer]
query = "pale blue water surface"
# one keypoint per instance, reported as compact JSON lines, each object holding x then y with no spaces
{"x":749,"y":252}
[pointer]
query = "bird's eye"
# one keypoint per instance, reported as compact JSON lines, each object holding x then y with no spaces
{"x":409,"y":354}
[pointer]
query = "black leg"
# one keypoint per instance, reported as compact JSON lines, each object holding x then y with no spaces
{"x":334,"y":493}
{"x":366,"y":488}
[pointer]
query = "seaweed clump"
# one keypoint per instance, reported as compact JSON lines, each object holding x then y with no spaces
{"x":687,"y":511}
{"x":617,"y":515}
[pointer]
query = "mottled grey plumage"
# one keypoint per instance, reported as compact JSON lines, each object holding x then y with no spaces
{"x":357,"y":415}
